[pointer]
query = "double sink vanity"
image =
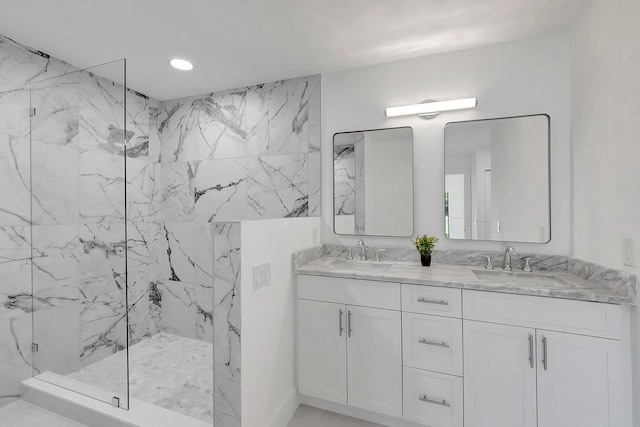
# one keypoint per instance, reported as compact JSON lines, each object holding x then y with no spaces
{"x":451,"y":345}
{"x":542,"y":344}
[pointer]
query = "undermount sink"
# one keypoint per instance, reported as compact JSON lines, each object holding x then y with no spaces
{"x":362,"y":265}
{"x":517,"y":277}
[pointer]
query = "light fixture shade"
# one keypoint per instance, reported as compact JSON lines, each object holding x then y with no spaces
{"x":181,"y":64}
{"x":431,"y":107}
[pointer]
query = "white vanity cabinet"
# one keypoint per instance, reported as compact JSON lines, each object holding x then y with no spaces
{"x":350,"y":343}
{"x":446,"y":357}
{"x":432,"y":355}
{"x":533,"y":369}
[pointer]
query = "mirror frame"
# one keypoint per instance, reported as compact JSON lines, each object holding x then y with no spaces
{"x":444,"y":163}
{"x":413,"y":190}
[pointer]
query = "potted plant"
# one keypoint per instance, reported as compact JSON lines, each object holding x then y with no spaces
{"x":424,"y":245}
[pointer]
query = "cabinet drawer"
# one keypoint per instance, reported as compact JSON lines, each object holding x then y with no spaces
{"x":432,"y":300}
{"x":368,"y":293}
{"x":432,"y":399}
{"x":432,"y":342}
{"x":579,"y":317}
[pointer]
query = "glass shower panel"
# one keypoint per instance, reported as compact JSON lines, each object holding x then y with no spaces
{"x":79,"y":231}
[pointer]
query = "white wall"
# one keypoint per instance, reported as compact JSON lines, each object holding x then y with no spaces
{"x":605,"y":73}
{"x":269,"y":394}
{"x":519,"y":78}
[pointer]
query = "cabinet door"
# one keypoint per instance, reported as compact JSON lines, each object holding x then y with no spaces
{"x":579,"y":381}
{"x":374,"y":354}
{"x":499,"y":375}
{"x":322,"y":359}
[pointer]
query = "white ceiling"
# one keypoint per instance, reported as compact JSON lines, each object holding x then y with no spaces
{"x":235,"y":43}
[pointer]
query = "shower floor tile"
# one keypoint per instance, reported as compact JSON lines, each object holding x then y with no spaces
{"x":24,"y":414}
{"x":167,"y":370}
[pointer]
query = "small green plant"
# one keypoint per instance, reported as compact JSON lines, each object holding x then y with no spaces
{"x":425,"y":244}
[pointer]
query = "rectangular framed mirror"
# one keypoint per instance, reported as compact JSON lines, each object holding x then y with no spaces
{"x":373,"y":182}
{"x":497,"y":184}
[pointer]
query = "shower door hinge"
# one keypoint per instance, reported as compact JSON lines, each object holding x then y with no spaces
{"x":34,"y":347}
{"x":32,"y":111}
{"x":115,"y":401}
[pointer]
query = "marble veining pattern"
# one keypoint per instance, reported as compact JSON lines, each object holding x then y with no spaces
{"x":549,"y":284}
{"x":242,"y":154}
{"x":62,"y":215}
{"x":15,"y":180}
{"x":304,"y":256}
{"x":278,"y":187}
{"x":166,"y":370}
{"x":226,"y":301}
{"x":15,"y":351}
{"x":603,"y":276}
{"x":278,"y":117}
{"x":539,"y":262}
{"x":344,"y":178}
{"x":15,"y":271}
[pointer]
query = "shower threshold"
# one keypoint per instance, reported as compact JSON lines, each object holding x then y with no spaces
{"x":168,"y":374}
{"x":42,"y":391}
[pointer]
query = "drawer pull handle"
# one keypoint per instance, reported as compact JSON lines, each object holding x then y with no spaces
{"x":340,"y":321}
{"x":349,"y":324}
{"x":434,"y":343}
{"x":435,"y":402}
{"x":433,"y":301}
{"x":545,"y":360}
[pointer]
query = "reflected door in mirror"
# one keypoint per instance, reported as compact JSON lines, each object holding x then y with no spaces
{"x":373,"y":182}
{"x":497,"y":179}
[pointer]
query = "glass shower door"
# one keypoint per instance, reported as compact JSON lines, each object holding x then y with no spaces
{"x":79,"y":232}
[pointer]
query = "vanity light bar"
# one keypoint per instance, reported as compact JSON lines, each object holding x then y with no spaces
{"x":431,"y":107}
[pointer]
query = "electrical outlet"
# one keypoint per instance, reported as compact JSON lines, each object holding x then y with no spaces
{"x":629,"y":252}
{"x":261,"y":275}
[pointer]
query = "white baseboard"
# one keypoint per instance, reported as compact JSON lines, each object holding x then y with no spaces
{"x":285,"y":411}
{"x":5,"y":400}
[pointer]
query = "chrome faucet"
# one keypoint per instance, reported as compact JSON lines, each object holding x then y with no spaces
{"x":363,"y":250}
{"x":506,"y":264}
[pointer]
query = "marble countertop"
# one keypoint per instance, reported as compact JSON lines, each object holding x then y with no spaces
{"x":538,"y":283}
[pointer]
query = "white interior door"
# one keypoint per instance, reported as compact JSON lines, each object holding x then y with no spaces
{"x":457,"y":184}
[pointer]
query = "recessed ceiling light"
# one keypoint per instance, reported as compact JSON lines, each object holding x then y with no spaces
{"x":181,"y":64}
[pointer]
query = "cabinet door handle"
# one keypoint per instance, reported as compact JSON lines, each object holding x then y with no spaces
{"x":349,"y":323}
{"x":434,"y":343}
{"x":531,"y":350}
{"x":545,"y":361}
{"x":435,"y":401}
{"x":340,"y":313}
{"x":433,"y":301}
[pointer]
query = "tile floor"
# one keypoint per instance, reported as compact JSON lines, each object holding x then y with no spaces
{"x":24,"y":414}
{"x":306,"y":416}
{"x":167,"y":370}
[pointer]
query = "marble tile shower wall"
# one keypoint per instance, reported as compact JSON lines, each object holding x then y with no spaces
{"x":62,"y":216}
{"x":226,"y":300}
{"x":249,"y":153}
